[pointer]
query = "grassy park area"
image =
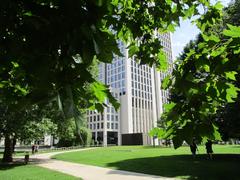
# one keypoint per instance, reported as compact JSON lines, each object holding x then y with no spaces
{"x":166,"y":162}
{"x":27,"y":172}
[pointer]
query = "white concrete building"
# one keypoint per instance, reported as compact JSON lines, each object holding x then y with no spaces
{"x":138,"y":88}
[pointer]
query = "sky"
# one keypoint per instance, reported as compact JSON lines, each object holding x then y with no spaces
{"x":186,"y":32}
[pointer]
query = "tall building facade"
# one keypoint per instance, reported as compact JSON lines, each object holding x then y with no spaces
{"x":138,"y":89}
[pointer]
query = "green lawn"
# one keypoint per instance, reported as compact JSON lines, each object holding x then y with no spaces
{"x":165,"y":162}
{"x":30,"y":172}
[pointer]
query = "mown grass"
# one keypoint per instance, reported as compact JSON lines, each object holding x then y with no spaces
{"x":166,"y":162}
{"x":30,"y":172}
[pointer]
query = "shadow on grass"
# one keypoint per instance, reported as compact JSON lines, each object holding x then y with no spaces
{"x":223,"y":166}
{"x":9,"y":166}
{"x":20,"y":162}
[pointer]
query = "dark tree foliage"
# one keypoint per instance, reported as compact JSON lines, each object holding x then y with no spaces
{"x":47,"y":46}
{"x":205,"y":82}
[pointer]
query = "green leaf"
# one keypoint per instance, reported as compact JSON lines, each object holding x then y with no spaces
{"x":234,"y":31}
{"x":212,"y":37}
{"x":205,"y":37}
{"x":114,"y":2}
{"x":237,"y":51}
{"x":166,"y":82}
{"x":99,"y":91}
{"x":218,"y":51}
{"x":168,"y":107}
{"x":1,"y":85}
{"x":231,"y":93}
{"x":193,"y":91}
{"x":162,"y":60}
{"x":219,"y":5}
{"x":190,"y":11}
{"x":156,"y":132}
{"x":206,"y":68}
{"x":169,"y":2}
{"x":231,"y":75}
{"x":216,"y":133}
{"x":133,"y":49}
{"x":29,"y":13}
{"x":171,"y":28}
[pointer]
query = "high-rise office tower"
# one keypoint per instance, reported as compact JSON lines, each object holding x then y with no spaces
{"x":138,"y":89}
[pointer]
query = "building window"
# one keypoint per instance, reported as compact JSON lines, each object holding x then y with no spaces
{"x":108,"y":125}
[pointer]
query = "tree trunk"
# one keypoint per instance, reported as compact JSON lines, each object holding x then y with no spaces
{"x":7,"y":156}
{"x":14,"y":141}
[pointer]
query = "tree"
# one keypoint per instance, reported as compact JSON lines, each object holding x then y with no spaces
{"x":48,"y":46}
{"x":32,"y":124}
{"x":203,"y":82}
{"x":228,"y":116}
{"x":35,"y":131}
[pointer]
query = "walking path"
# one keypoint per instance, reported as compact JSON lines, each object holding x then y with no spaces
{"x":87,"y":172}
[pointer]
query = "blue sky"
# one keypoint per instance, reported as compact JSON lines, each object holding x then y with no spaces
{"x":185,"y":33}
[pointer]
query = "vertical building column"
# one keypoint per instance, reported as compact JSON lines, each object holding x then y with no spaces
{"x":155,"y":106}
{"x":105,"y":138}
{"x":105,"y":127}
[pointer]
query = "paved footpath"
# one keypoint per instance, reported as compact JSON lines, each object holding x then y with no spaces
{"x":87,"y":172}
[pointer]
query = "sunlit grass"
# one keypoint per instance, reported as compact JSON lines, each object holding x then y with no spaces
{"x":166,"y":162}
{"x":30,"y":172}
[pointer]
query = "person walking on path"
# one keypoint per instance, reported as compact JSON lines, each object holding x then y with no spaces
{"x":193,"y":148}
{"x":209,"y":150}
{"x":33,"y":148}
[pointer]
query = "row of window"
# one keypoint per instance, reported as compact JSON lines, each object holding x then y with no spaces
{"x":141,"y":67}
{"x":112,"y":110}
{"x":116,"y":76}
{"x":101,"y":126}
{"x":141,"y":72}
{"x":117,"y":61}
{"x":141,"y":86}
{"x":118,"y":83}
{"x":112,"y":117}
{"x":95,"y":118}
{"x":141,"y":103}
{"x":114,"y":71}
{"x":95,"y":126}
{"x":141,"y":79}
{"x":139,"y":94}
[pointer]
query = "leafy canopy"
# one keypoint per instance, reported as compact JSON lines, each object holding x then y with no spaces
{"x":203,"y":81}
{"x":46,"y":45}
